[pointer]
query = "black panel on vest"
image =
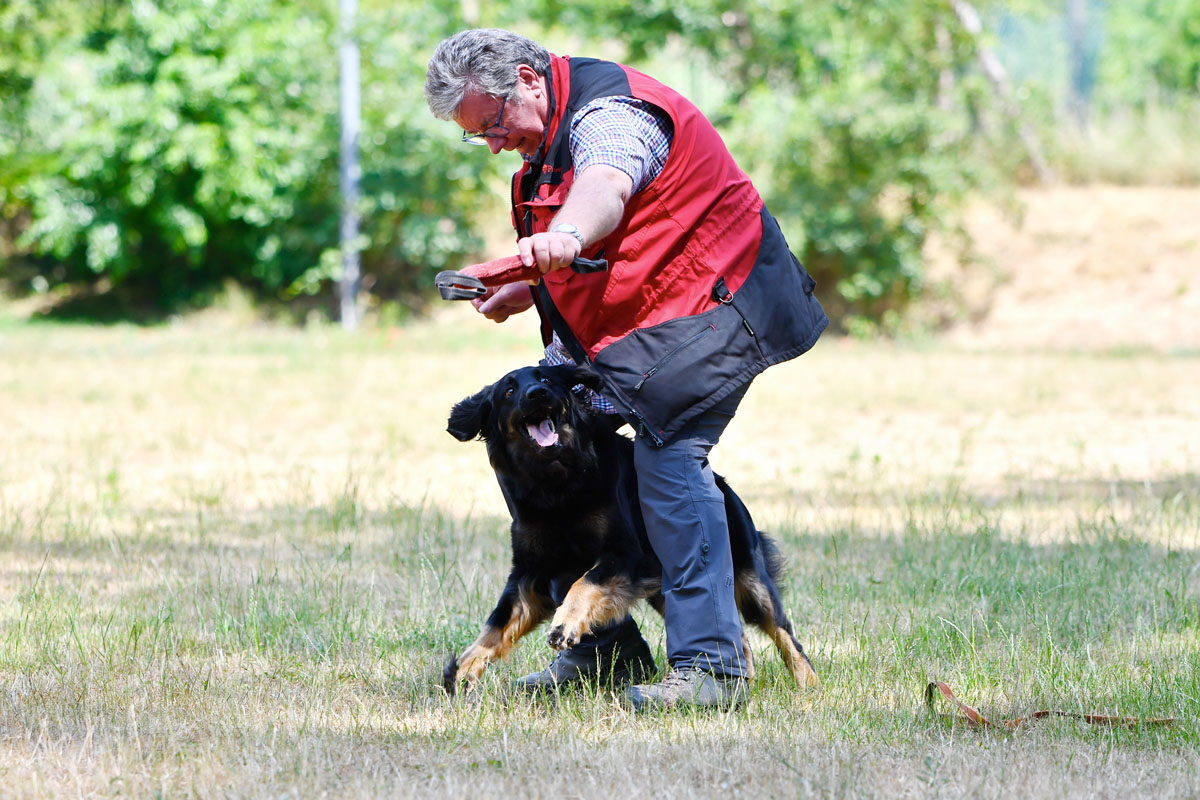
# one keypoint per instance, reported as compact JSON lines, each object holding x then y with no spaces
{"x":598,"y":78}
{"x":590,"y":78}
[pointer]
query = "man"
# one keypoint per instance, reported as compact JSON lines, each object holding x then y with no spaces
{"x":700,"y":296}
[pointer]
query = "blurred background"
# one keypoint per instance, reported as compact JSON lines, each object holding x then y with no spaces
{"x":158,"y":158}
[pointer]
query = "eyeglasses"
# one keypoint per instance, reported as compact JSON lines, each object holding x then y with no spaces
{"x":496,"y":131}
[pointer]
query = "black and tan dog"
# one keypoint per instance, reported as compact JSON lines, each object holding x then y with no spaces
{"x":569,"y":482}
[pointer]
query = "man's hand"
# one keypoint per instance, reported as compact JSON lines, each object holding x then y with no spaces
{"x":549,"y":250}
{"x":501,"y":303}
{"x":595,"y":205}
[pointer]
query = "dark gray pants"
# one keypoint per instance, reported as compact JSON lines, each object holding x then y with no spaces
{"x":685,"y":520}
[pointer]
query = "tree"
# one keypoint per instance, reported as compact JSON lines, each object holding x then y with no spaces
{"x":1152,"y":48}
{"x":170,"y":146}
{"x":834,"y":109}
{"x":166,"y":147}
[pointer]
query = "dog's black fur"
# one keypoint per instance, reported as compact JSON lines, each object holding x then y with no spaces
{"x":569,"y":482}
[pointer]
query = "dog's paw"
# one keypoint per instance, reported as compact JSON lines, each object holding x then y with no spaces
{"x":563,"y":637}
{"x":450,"y":676}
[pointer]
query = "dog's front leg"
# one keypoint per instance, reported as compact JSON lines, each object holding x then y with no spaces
{"x":521,"y":609}
{"x":598,"y":597}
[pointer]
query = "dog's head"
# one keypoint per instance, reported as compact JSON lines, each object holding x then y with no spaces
{"x":533,"y":410}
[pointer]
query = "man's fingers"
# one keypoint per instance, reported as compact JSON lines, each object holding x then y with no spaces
{"x":501,"y":303}
{"x":525,"y":251}
{"x":494,"y":308}
{"x":543,"y":253}
{"x":549,"y":250}
{"x":480,"y":302}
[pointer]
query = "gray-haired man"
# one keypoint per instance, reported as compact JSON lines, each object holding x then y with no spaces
{"x":702,"y":294}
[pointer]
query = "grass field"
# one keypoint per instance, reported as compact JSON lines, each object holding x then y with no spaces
{"x":234,"y":559}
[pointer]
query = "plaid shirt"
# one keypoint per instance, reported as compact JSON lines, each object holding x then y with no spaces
{"x":622,"y":132}
{"x":627,"y":134}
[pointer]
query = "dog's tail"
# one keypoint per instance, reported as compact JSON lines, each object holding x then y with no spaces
{"x":772,"y":557}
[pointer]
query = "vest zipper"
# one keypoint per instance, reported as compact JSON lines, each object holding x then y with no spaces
{"x":620,"y":395}
{"x":648,"y":374}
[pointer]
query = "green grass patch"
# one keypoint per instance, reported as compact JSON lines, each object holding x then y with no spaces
{"x":235,"y":561}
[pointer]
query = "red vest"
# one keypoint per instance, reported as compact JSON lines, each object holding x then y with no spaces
{"x":696,"y":222}
{"x":702,"y":292}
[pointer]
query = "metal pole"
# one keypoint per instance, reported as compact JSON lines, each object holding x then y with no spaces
{"x":1077,"y":21}
{"x":350,"y":171}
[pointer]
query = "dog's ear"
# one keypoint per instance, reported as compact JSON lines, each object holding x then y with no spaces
{"x":586,"y":376}
{"x":468,"y":416}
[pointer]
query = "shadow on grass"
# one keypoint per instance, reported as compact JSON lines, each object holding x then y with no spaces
{"x":1107,"y":622}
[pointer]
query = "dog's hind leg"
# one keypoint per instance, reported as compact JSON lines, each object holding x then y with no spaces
{"x":759,"y":602}
{"x":793,"y":656}
{"x":520,"y":610}
{"x":657,"y":603}
{"x":747,"y":656}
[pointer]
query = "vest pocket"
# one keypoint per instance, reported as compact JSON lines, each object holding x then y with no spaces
{"x":659,"y":365}
{"x":535,"y":215}
{"x":662,"y":371}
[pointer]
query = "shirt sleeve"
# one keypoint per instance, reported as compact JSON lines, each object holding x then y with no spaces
{"x":556,"y":354}
{"x":622,"y":132}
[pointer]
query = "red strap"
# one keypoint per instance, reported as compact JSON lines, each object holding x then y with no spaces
{"x":974,"y":717}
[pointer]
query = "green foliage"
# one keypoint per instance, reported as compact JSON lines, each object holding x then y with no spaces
{"x":171,"y":146}
{"x":1120,"y":104}
{"x":1152,"y":45}
{"x":164,"y":148}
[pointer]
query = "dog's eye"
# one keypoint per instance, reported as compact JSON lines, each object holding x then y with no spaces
{"x":509,"y":392}
{"x":545,"y":379}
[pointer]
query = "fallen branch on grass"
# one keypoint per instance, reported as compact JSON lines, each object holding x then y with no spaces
{"x":973,"y":716}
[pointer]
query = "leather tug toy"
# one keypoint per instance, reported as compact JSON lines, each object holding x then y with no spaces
{"x":473,"y":281}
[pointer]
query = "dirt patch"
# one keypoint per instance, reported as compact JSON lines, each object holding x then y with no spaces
{"x":1083,"y":268}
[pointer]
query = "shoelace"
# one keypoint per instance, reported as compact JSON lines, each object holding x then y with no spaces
{"x":677,"y":677}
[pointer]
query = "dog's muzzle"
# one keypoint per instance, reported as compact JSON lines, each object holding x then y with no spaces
{"x":538,"y":417}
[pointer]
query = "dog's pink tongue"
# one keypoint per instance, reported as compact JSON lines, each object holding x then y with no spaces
{"x":543,"y":433}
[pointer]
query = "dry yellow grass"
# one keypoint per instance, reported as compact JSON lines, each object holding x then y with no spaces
{"x":1083,"y":267}
{"x":233,"y":560}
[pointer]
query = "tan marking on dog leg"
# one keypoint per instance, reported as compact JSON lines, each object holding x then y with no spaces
{"x":747,"y":656}
{"x":649,"y":587}
{"x":587,"y":606}
{"x":794,"y":658}
{"x":751,"y":590}
{"x":493,"y":644}
{"x":650,"y":590}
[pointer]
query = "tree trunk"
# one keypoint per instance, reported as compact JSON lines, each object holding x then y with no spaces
{"x":993,"y":70}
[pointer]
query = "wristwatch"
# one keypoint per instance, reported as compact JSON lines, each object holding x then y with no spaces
{"x":566,"y":227}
